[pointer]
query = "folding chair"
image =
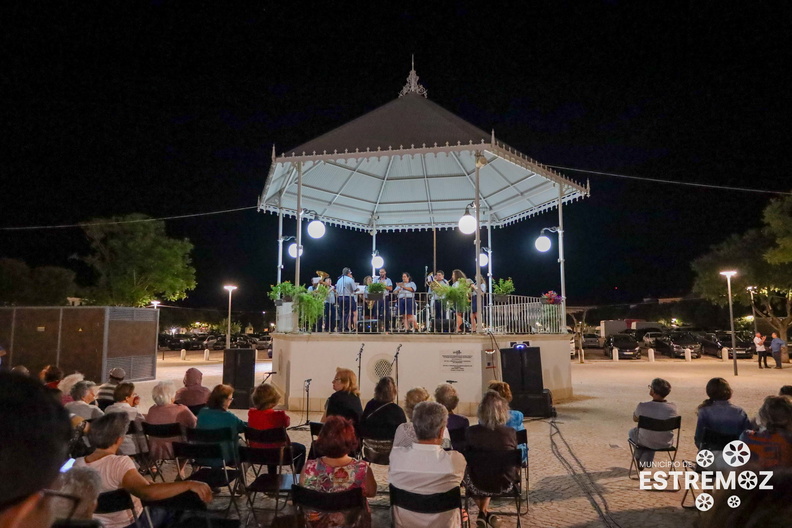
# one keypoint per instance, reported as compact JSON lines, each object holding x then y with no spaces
{"x":273,"y":484}
{"x":189,"y":502}
{"x":171,"y":431}
{"x":713,"y":441}
{"x":315,"y":428}
{"x":351,"y":501}
{"x":458,"y":438}
{"x":427,"y":504}
{"x":195,"y":409}
{"x":653,"y":424}
{"x":116,"y":501}
{"x":76,"y":523}
{"x":522,"y":438}
{"x":485,"y":467}
{"x":202,"y":458}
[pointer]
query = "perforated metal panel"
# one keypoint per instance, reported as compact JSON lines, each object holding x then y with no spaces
{"x":138,"y":368}
{"x":132,"y":314}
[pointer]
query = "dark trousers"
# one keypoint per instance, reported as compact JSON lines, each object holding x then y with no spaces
{"x":762,"y":357}
{"x":777,"y":357}
{"x":348,"y":307}
{"x":382,"y":312}
{"x":330,"y":317}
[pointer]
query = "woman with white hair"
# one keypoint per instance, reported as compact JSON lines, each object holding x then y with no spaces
{"x":85,"y":483}
{"x":65,"y":386}
{"x":83,"y":395}
{"x":164,"y":411}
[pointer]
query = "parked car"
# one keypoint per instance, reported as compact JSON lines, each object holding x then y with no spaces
{"x":636,"y":334}
{"x":713,"y":343}
{"x":237,"y":341}
{"x":674,"y":345}
{"x":591,"y":341}
{"x":650,"y":338}
{"x":184,"y":341}
{"x":163,"y":340}
{"x":627,"y":346}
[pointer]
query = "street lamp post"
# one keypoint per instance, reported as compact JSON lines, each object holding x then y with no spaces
{"x":751,"y":290}
{"x":729,"y":275}
{"x":228,"y":331}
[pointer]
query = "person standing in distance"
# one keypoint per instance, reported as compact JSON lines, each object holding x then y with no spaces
{"x":345,"y":289}
{"x":761,"y":351}
{"x":775,"y":347}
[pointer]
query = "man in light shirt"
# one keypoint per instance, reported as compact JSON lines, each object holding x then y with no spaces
{"x":761,"y":351}
{"x":425,"y":468}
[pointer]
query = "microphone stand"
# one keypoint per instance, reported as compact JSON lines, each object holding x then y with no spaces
{"x":396,"y":362}
{"x":269,"y":375}
{"x":307,"y":422}
{"x":360,"y":361}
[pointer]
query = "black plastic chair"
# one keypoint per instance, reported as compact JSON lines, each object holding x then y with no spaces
{"x":653,"y":424}
{"x":169,"y":431}
{"x":189,"y":503}
{"x":276,"y":435}
{"x":458,"y":438}
{"x":195,"y":409}
{"x":202,"y":457}
{"x":270,"y":483}
{"x":485,"y":467}
{"x":713,"y":441}
{"x":115,"y":501}
{"x":428,"y":504}
{"x":76,"y":523}
{"x":351,"y":501}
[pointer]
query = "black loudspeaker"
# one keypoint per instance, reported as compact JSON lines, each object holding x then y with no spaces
{"x":443,"y":325}
{"x":522,"y":369}
{"x":534,"y":405}
{"x":239,"y":371}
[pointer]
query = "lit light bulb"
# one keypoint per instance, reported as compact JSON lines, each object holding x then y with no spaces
{"x":316,"y":229}
{"x":377,"y":262}
{"x":293,"y":251}
{"x":483,"y":259}
{"x":542,"y":244}
{"x":467,"y":224}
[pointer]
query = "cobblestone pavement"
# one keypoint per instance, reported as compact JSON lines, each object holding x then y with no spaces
{"x":579,"y":462}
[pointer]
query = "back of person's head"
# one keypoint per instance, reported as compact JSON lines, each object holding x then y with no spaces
{"x":266,"y":396}
{"x":193,"y":377}
{"x":337,"y":437}
{"x":348,"y":380}
{"x":163,"y":392}
{"x":69,"y":381}
{"x":123,"y":391}
{"x":413,"y":397}
{"x":21,"y":369}
{"x":786,"y":390}
{"x":493,"y":410}
{"x":429,"y":419}
{"x":759,"y":507}
{"x":106,"y":429}
{"x":85,"y":483}
{"x":51,"y":373}
{"x":776,"y":414}
{"x":718,"y":389}
{"x":446,"y":395}
{"x":219,"y":395}
{"x":385,"y":391}
{"x":661,"y":387}
{"x":34,"y":438}
{"x":502,"y":388}
{"x":117,"y":374}
{"x":80,"y":389}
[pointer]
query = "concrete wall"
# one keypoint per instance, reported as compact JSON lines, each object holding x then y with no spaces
{"x":424,"y":361}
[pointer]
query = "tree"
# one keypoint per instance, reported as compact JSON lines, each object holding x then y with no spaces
{"x":43,"y":286}
{"x":746,"y":254}
{"x":137,"y":262}
{"x":778,"y":217}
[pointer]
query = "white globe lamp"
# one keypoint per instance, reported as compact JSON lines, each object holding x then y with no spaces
{"x":377,"y":262}
{"x":293,"y":251}
{"x":542,"y":244}
{"x":316,"y":229}
{"x":483,"y":259}
{"x":467,"y":224}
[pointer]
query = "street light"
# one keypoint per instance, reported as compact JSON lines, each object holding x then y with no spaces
{"x":751,"y":290}
{"x":293,"y":250}
{"x":376,"y":261}
{"x":543,"y":244}
{"x":467,"y":224}
{"x":228,"y":332}
{"x":729,"y":275}
{"x":155,"y":304}
{"x":316,"y":229}
{"x":483,"y":260}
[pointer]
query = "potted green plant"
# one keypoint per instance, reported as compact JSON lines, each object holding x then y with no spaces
{"x":283,"y":292}
{"x":309,"y":306}
{"x":501,"y":290}
{"x":375,"y":291}
{"x":456,"y":295}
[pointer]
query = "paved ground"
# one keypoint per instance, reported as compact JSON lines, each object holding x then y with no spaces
{"x":578,"y":463}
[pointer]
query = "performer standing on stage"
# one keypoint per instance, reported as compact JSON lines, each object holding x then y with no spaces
{"x":460,"y":280}
{"x":345,"y":289}
{"x":405,"y":293}
{"x":482,"y":289}
{"x":381,"y":308}
{"x":437,"y":299}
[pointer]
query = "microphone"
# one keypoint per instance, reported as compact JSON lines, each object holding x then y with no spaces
{"x":273,"y":372}
{"x":451,"y":381}
{"x":309,"y":379}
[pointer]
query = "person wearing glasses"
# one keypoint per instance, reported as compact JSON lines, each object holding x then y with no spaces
{"x":217,"y":416}
{"x":39,"y":441}
{"x":345,"y":401}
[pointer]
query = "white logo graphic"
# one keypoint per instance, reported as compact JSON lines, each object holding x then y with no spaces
{"x":705,"y":458}
{"x":736,"y":453}
{"x":748,"y":480}
{"x":704,"y":501}
{"x":734,"y":501}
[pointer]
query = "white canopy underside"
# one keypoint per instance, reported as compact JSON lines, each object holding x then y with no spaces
{"x":377,"y":175}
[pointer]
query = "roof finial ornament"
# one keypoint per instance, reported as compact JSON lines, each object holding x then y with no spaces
{"x":412,"y":85}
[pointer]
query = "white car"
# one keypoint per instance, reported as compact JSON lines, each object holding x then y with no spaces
{"x":650,"y":338}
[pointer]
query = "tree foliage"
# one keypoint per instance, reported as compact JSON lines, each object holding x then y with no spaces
{"x":137,"y":262}
{"x":21,"y":285}
{"x":778,"y":217}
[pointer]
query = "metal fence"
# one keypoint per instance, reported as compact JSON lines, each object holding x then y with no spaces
{"x":501,"y":314}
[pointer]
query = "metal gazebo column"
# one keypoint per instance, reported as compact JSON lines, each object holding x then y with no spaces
{"x":480,"y":162}
{"x":299,"y":224}
{"x":562,"y":315}
{"x":280,"y":243}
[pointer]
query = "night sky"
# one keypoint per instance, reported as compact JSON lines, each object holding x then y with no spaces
{"x":172,"y":108}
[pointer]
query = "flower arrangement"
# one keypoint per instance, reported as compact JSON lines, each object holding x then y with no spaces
{"x":551,"y":297}
{"x":285,"y":291}
{"x":375,"y":287}
{"x":503,"y":287}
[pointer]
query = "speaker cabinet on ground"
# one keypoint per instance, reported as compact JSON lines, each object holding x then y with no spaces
{"x":534,"y":405}
{"x":522,"y":369}
{"x":239,"y":371}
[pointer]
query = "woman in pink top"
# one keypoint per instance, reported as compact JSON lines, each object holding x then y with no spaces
{"x":166,"y":412}
{"x":193,"y":393}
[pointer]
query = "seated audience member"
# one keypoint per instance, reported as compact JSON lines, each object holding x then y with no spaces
{"x":104,"y":396}
{"x":718,"y":415}
{"x":51,"y":376}
{"x":382,"y":416}
{"x":126,"y":401}
{"x":82,"y":394}
{"x":119,"y":472}
{"x":32,"y":450}
{"x":66,"y":384}
{"x":405,"y":434}
{"x":217,"y":416}
{"x":659,"y":409}
{"x":85,"y":483}
{"x":771,"y":446}
{"x":345,"y":401}
{"x":337,"y":471}
{"x":786,"y":390}
{"x":446,"y":395}
{"x":21,"y":369}
{"x":491,"y":434}
{"x":194,"y":395}
{"x":515,"y":417}
{"x":164,"y":411}
{"x":263,"y":416}
{"x":760,"y":506}
{"x":425,"y":468}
